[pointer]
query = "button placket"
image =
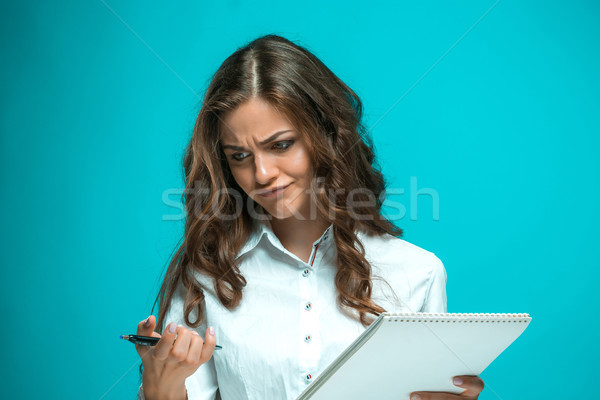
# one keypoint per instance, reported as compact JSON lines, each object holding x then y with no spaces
{"x":310,"y":351}
{"x":309,"y":345}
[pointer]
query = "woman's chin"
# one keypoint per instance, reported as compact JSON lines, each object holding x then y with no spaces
{"x":281,"y":210}
{"x":281,"y":214}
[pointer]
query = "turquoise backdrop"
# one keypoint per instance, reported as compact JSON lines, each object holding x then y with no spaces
{"x":490,"y":110}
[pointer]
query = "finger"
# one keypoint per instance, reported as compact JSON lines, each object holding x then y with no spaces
{"x":473,"y":384}
{"x":210,"y":341}
{"x":181,"y":347}
{"x":146,"y":328}
{"x":196,"y":344}
{"x":165,"y":344}
{"x":201,"y":350}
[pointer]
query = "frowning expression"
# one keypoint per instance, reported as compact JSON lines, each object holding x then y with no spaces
{"x":268,"y":158}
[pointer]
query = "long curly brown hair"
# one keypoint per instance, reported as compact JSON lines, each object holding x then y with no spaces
{"x":328,"y":115}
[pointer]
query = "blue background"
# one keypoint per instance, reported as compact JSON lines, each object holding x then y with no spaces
{"x":494,"y":106}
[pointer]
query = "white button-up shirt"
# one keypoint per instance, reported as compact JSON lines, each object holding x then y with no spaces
{"x":288,"y":327}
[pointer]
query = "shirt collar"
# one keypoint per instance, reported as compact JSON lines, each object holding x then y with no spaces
{"x":262,"y":228}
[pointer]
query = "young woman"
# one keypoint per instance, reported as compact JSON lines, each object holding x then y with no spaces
{"x":286,"y":258}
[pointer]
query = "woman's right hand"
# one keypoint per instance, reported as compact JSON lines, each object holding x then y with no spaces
{"x":177,"y":355}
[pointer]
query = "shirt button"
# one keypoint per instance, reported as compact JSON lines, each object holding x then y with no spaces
{"x":308,"y":377}
{"x":307,"y":338}
{"x":306,"y":272}
{"x":308,"y":306}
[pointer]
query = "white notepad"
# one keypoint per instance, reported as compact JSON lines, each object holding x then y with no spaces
{"x":400,"y":353}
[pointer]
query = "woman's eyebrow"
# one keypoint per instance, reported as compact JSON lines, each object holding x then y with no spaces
{"x":269,"y":139}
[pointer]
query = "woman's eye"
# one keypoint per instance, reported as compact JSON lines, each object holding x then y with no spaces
{"x":283,"y":145}
{"x":279,"y":146}
{"x":239,"y":156}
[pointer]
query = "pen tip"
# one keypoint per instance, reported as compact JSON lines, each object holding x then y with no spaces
{"x":124,"y":337}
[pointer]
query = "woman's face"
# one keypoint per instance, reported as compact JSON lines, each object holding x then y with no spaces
{"x":268,"y":159}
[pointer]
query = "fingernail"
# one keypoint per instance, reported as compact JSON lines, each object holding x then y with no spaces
{"x":172,"y":327}
{"x":147,"y":322}
{"x":457,"y":381}
{"x":195,"y":333}
{"x":415,"y":397}
{"x":211,"y":330}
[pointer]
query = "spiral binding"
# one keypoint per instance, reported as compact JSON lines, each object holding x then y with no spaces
{"x":457,"y":317}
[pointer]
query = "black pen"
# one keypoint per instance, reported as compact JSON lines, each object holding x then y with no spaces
{"x":147,"y":340}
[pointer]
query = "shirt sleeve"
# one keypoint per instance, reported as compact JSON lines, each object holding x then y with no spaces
{"x":202,"y":384}
{"x":435,"y":300}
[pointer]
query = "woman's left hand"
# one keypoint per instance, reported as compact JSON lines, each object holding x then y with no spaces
{"x":473,"y":384}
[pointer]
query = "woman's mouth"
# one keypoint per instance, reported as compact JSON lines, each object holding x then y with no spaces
{"x":273,"y":192}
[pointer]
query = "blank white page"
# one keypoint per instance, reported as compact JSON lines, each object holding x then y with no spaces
{"x":406,"y":352}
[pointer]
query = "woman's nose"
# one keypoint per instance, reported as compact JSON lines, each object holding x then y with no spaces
{"x":266,"y":169}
